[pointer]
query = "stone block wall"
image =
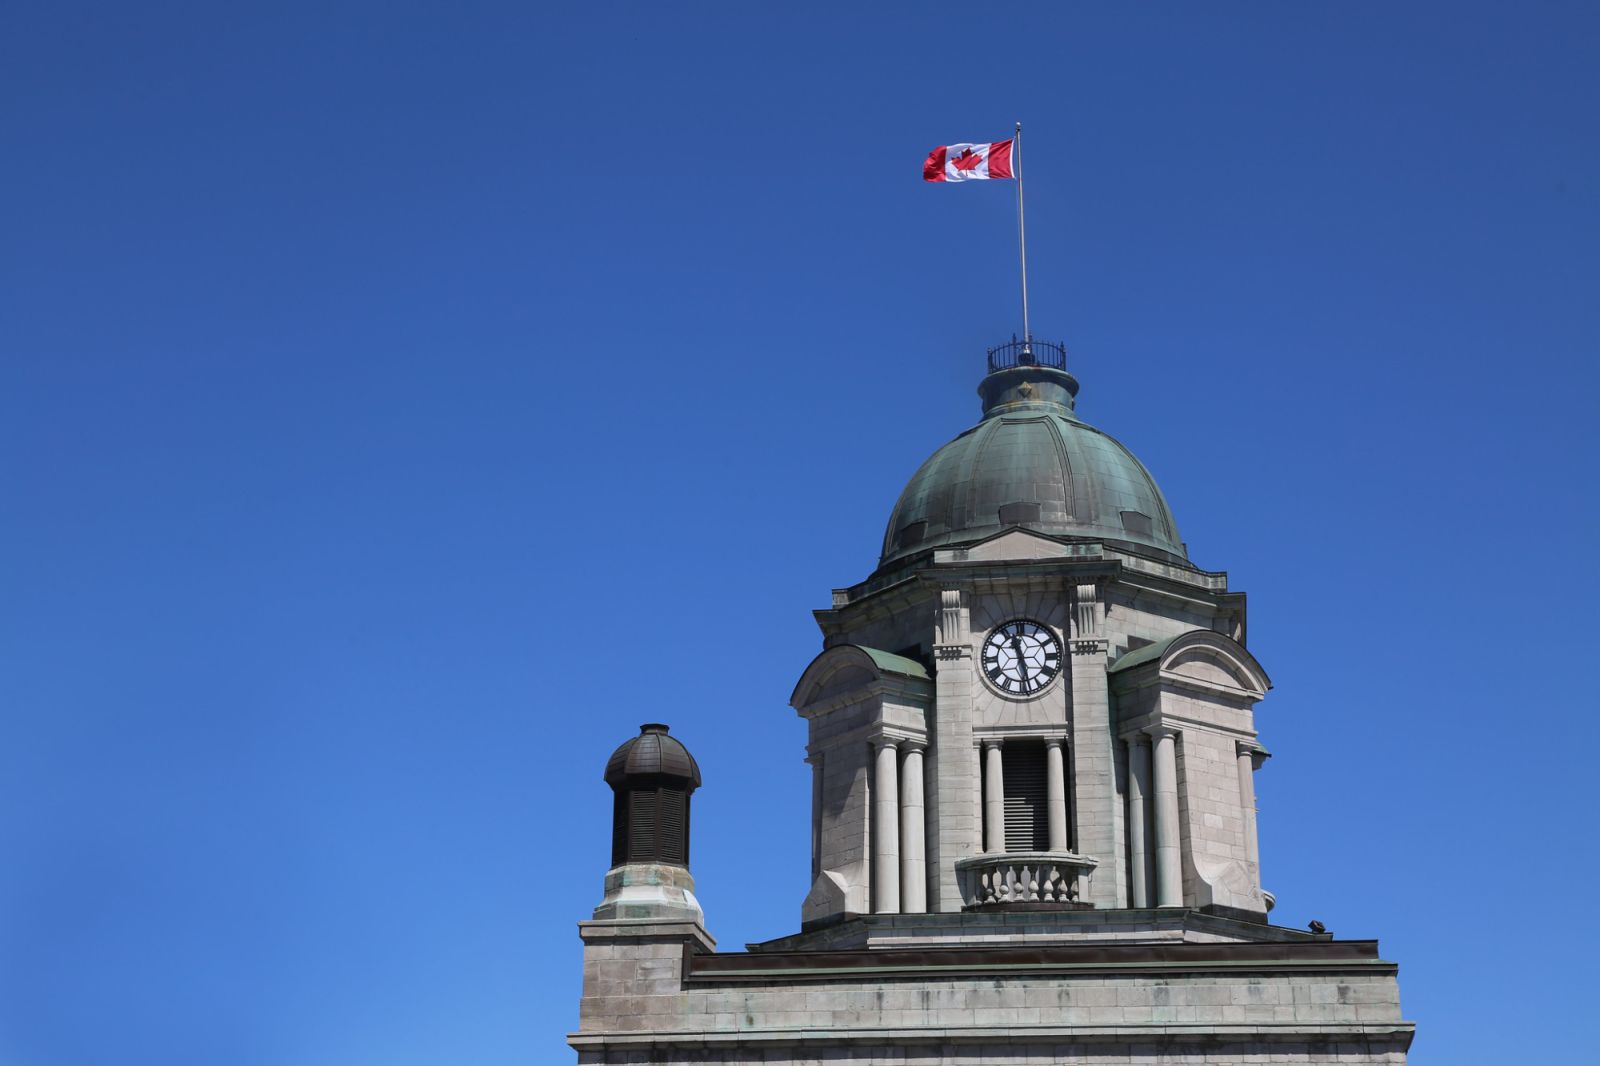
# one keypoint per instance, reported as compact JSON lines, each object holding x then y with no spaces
{"x":644,"y":993}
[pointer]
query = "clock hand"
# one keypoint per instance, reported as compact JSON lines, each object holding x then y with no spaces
{"x":1022,"y":669}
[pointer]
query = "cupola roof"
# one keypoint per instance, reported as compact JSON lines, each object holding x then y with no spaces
{"x":652,"y":756}
{"x":1031,"y":462}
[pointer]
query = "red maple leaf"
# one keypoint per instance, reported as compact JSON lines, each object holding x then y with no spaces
{"x":967,"y":160}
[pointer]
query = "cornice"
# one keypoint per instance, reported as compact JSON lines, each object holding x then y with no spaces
{"x":1163,"y":1034}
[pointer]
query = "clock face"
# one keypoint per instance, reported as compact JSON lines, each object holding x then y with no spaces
{"x":1021,"y":657}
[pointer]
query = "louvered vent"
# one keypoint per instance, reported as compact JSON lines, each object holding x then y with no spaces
{"x":651,"y":825}
{"x":1027,"y":810}
{"x":672,"y":837}
{"x":619,"y":829}
{"x":642,"y":826}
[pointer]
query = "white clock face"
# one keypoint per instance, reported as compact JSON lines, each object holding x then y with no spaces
{"x":1021,"y":657}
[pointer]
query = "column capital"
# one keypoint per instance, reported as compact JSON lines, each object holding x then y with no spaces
{"x":1162,"y":730}
{"x":1055,"y":742}
{"x":1138,"y":736}
{"x":881,"y":741}
{"x":911,"y":744}
{"x":1254,"y":750}
{"x":951,"y":619}
{"x":992,"y":742}
{"x":1086,"y":613}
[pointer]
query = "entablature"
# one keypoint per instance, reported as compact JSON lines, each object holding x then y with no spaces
{"x":1015,"y":548}
{"x":906,"y":727}
{"x":1236,"y":724}
{"x":999,"y":734}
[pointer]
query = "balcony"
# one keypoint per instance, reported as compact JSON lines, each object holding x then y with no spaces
{"x":1037,"y":878}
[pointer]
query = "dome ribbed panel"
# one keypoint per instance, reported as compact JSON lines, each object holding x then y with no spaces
{"x":1084,"y":483}
{"x":652,"y":755}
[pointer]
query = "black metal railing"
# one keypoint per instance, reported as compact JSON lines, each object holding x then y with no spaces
{"x":1028,"y":352}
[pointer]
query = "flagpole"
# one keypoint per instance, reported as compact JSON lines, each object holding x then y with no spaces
{"x":1022,"y":240}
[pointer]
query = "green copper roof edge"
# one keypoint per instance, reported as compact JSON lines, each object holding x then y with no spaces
{"x":891,"y":663}
{"x":1142,"y":655}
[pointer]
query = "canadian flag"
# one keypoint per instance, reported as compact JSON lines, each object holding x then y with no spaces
{"x":968,"y":162}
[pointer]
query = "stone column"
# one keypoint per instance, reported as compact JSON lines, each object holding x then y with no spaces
{"x":1247,"y":802}
{"x":1169,"y":871}
{"x":886,"y":844}
{"x":994,"y":798}
{"x":913,"y":864}
{"x":1138,"y":819}
{"x":1056,"y":780}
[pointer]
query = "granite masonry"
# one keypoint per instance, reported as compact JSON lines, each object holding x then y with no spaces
{"x":1032,"y":740}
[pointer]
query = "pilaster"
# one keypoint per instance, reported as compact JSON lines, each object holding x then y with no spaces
{"x":954,"y":824}
{"x":1250,"y":756}
{"x":1093,"y":759}
{"x":845,"y":835}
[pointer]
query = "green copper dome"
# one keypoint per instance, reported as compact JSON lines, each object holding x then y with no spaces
{"x":1031,"y":463}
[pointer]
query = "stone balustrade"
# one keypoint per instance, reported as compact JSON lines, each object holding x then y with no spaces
{"x":1050,"y":877}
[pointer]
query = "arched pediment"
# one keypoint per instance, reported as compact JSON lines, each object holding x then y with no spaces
{"x":1201,"y":657}
{"x":847,"y":667}
{"x":1215,"y":660}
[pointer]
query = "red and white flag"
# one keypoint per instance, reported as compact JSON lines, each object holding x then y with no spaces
{"x":968,"y":162}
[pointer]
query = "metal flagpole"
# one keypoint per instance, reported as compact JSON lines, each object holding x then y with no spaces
{"x":1022,"y":239}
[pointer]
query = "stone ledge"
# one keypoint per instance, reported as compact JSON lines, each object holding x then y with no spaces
{"x":1016,"y":960}
{"x":646,"y":929}
{"x":1163,"y":1032}
{"x":957,"y":928}
{"x":1019,"y":970}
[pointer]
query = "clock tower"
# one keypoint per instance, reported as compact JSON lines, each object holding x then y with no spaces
{"x":1053,"y":653}
{"x":1032,"y":740}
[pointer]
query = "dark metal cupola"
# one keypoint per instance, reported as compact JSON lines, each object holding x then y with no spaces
{"x":652,"y":777}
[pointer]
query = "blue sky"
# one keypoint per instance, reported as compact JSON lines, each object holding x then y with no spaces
{"x":403,"y":402}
